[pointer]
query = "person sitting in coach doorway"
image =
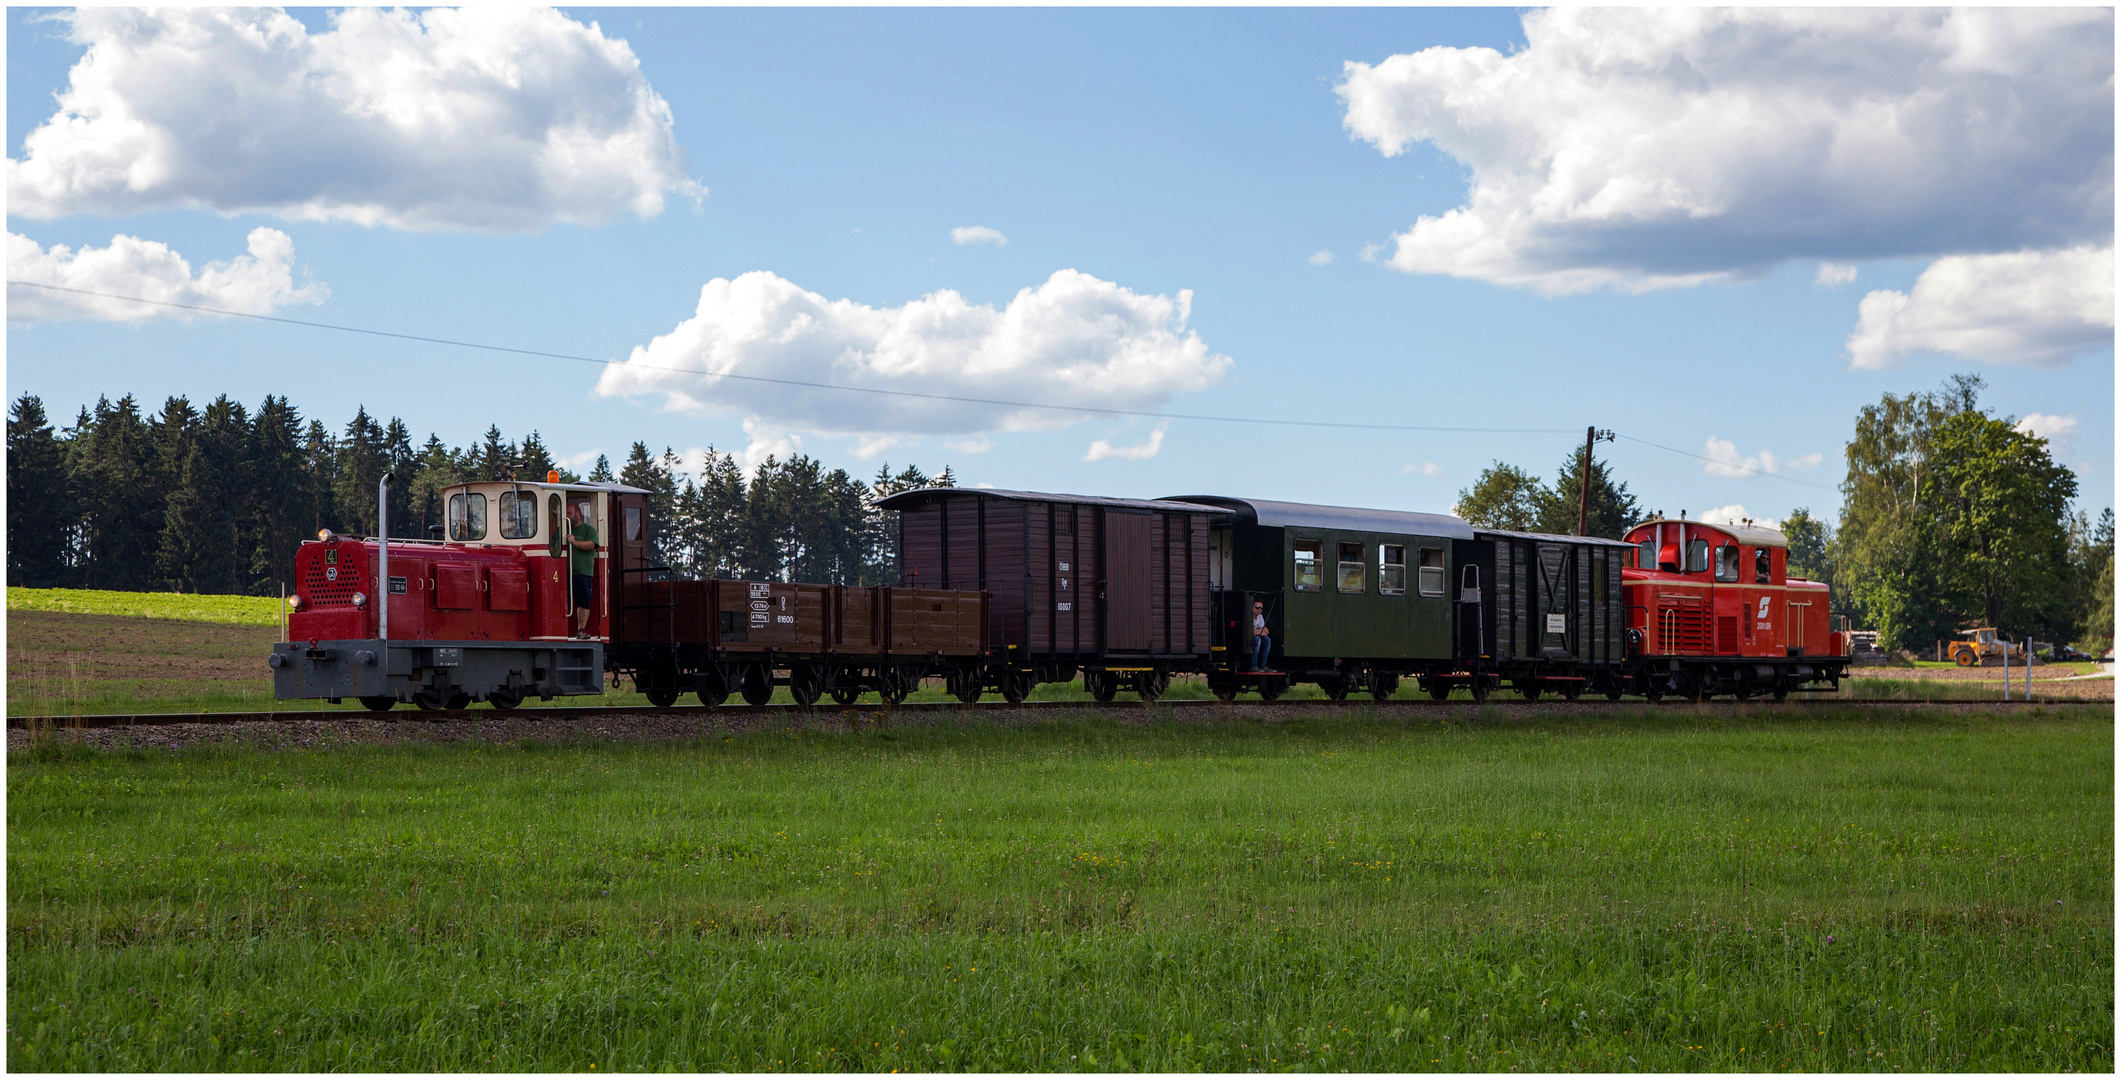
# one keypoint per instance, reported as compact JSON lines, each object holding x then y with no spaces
{"x":582,"y":563}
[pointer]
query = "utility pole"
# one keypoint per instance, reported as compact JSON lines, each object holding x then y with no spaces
{"x":1583,"y":502}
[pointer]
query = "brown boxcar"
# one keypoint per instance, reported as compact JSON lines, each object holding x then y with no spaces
{"x":1115,"y":588}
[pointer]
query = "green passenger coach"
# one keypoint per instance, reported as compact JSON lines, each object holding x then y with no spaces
{"x":1354,"y":599}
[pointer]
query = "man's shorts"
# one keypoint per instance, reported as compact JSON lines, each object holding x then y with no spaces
{"x":582,"y":584}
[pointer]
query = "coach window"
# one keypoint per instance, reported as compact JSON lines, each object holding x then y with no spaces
{"x":1310,"y":576}
{"x":1431,"y":572}
{"x":519,"y":515}
{"x":1351,"y":568}
{"x":1392,"y":570}
{"x":1697,"y":556}
{"x":1727,"y":563}
{"x":467,"y":516}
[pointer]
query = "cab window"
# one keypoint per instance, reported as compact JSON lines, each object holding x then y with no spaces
{"x":1697,"y":556}
{"x":1646,"y":554}
{"x":1430,"y":572}
{"x":1310,"y":574}
{"x":1763,"y":565}
{"x":519,"y":515}
{"x":467,"y":516}
{"x":1727,"y":562}
{"x":633,"y":523}
{"x":1351,"y":568}
{"x":1392,"y":569}
{"x":555,"y":533}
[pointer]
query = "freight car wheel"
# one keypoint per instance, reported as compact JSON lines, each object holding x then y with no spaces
{"x":757,"y":687}
{"x":1102,"y":685}
{"x":1383,"y":686}
{"x":510,"y":697}
{"x":1479,"y":688}
{"x":378,"y":704}
{"x":1530,"y":691}
{"x":1016,"y":686}
{"x":1571,"y":691}
{"x":806,"y":684}
{"x":1223,"y":691}
{"x":842,"y":695}
{"x":662,"y":697}
{"x":897,"y":685}
{"x":966,"y":686}
{"x":1612,"y":695}
{"x":1151,"y":685}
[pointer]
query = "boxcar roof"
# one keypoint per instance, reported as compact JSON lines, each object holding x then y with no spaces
{"x":1304,"y":515}
{"x":905,"y":499}
{"x":1551,"y":538}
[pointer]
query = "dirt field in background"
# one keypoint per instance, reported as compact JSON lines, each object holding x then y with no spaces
{"x":56,"y":657}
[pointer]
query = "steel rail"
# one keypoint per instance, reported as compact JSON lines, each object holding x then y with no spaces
{"x":867,"y":710}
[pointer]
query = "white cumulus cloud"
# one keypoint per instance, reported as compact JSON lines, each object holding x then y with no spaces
{"x":1724,"y":515}
{"x":1426,"y":468}
{"x":485,"y":117}
{"x":1143,"y":451}
{"x":1072,"y":340}
{"x":1725,"y":460}
{"x":977,"y":234}
{"x":2028,"y":307}
{"x":1649,"y":147}
{"x":1323,"y":258}
{"x":2059,"y":431}
{"x":257,"y":283}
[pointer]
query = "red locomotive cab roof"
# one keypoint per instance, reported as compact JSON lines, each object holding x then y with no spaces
{"x":1746,"y":533}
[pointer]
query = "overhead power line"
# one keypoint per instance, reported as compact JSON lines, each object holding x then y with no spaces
{"x":1003,"y":403}
{"x":1092,"y":410}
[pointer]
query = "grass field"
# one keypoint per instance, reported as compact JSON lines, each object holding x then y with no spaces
{"x":1652,"y":891}
{"x":191,"y":607}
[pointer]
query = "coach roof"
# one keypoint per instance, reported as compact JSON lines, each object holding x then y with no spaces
{"x":908,"y":499}
{"x":1348,"y":518}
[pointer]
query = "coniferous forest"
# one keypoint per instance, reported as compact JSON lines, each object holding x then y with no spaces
{"x":216,"y":499}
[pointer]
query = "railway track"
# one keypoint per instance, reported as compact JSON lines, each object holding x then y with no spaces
{"x":868,"y":712}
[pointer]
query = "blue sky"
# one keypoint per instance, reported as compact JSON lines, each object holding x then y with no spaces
{"x":1190,"y":166}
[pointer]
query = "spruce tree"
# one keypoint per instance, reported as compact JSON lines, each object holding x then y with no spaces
{"x":279,"y":505}
{"x":39,"y":510}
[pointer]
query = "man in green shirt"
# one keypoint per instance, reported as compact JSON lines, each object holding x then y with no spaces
{"x":582,"y":563}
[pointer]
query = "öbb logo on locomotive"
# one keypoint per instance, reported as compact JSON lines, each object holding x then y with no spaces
{"x":1009,"y":589}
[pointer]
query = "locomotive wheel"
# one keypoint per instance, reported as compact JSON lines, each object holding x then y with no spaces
{"x":457,"y":700}
{"x":1439,"y":690}
{"x":1383,"y":685}
{"x":378,"y":703}
{"x":509,"y":697}
{"x":662,"y":697}
{"x":1335,"y":687}
{"x":806,"y":684}
{"x":845,"y":695}
{"x":1655,"y":693}
{"x":428,"y":700}
{"x":1781,"y":692}
{"x":1103,"y":685}
{"x":758,"y":685}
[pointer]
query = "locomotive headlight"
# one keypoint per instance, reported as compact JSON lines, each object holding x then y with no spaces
{"x":360,"y":599}
{"x":294,"y":603}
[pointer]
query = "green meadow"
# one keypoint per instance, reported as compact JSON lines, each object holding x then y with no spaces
{"x":1662,"y":889}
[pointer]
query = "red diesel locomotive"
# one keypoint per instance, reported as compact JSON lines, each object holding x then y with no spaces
{"x":1712,"y":609}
